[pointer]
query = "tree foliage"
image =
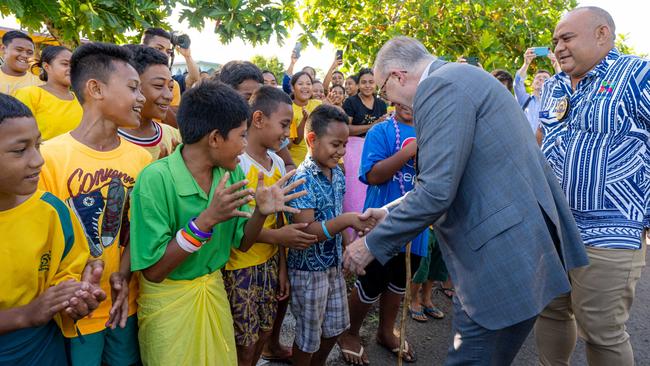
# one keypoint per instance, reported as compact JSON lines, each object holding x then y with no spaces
{"x":272,"y":64}
{"x":68,"y":21}
{"x":496,"y":31}
{"x":254,"y":21}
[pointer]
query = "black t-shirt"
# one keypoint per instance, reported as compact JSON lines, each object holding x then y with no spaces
{"x":362,"y":115}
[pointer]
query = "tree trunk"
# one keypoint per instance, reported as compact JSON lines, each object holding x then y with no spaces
{"x":56,"y":34}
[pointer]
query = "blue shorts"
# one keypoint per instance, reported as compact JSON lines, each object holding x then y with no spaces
{"x":114,"y":347}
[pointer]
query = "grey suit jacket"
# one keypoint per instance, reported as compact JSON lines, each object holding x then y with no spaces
{"x":485,"y":186}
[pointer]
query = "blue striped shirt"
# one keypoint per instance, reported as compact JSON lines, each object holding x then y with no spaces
{"x":600,"y":151}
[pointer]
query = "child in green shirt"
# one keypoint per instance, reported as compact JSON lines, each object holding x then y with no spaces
{"x":188,"y":210}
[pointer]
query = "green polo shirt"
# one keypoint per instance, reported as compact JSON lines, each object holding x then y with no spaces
{"x":164,"y":198}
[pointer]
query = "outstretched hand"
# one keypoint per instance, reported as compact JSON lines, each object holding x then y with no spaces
{"x":274,"y":198}
{"x":372,"y":214}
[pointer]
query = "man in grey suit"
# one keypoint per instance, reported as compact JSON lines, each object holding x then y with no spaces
{"x":506,"y":231}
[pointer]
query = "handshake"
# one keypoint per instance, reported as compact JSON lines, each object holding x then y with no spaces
{"x":362,"y":223}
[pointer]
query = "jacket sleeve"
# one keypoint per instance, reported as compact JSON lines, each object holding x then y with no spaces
{"x":445,"y":121}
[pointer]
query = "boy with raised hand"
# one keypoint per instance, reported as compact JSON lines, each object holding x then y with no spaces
{"x":94,"y":171}
{"x":43,"y":251}
{"x":246,"y":78}
{"x":188,"y":211}
{"x":257,"y":279}
{"x":318,"y":293}
{"x":18,"y":51}
{"x":156,"y":83}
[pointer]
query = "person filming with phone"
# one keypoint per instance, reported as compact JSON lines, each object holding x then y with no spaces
{"x":530,"y":102}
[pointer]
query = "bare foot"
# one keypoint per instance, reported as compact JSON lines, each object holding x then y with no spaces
{"x":277,"y":353}
{"x":391,"y":343}
{"x":352,"y":349}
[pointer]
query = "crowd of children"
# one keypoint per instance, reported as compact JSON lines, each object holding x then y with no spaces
{"x":128,"y":240}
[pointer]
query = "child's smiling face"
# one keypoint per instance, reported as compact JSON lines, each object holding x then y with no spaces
{"x":328,"y":149}
{"x":20,"y":159}
{"x":226,"y":154}
{"x":122,"y":98}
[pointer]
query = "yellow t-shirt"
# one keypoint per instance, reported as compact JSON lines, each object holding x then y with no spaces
{"x":176,"y":92}
{"x":258,"y":252}
{"x":299,"y":151}
{"x":42,"y":245}
{"x":9,"y":84}
{"x":166,"y":136}
{"x":96,"y":185}
{"x":54,"y":116}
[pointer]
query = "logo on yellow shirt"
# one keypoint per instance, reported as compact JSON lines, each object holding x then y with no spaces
{"x":99,"y":200}
{"x":45,"y":262}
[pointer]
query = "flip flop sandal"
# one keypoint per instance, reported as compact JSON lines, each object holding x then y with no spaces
{"x":406,"y":356}
{"x":418,"y":316}
{"x":433,"y":312}
{"x":277,"y":359}
{"x":447,"y":291}
{"x":354,"y":354}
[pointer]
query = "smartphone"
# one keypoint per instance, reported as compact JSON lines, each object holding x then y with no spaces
{"x":541,"y":51}
{"x":297,"y":48}
{"x":472,"y":60}
{"x":339,"y":54}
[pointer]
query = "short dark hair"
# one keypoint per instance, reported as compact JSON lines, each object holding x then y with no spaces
{"x":209,"y":106}
{"x":362,"y":72}
{"x":337,"y":86}
{"x":267,"y":98}
{"x":296,"y":76}
{"x":48,"y":54}
{"x":155,"y":32}
{"x":236,"y":72}
{"x":543,"y":71}
{"x":95,"y":61}
{"x":11,"y":107}
{"x":14,"y":34}
{"x":321,"y":117}
{"x":503,"y":76}
{"x":142,"y":57}
{"x":338,"y":72}
{"x":270,"y":72}
{"x":354,"y":78}
{"x":310,"y":68}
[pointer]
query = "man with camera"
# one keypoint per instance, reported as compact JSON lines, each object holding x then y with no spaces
{"x":165,"y":42}
{"x":530,"y":102}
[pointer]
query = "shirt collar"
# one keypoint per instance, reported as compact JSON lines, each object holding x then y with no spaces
{"x":601,"y":68}
{"x":425,"y":73}
{"x":313,"y":168}
{"x":185,"y":183}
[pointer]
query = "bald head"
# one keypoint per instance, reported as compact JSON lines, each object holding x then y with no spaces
{"x":595,"y":17}
{"x":582,"y":39}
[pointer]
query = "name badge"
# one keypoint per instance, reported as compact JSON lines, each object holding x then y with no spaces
{"x":561,"y":108}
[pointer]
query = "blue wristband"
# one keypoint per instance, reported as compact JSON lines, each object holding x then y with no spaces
{"x":327,"y":233}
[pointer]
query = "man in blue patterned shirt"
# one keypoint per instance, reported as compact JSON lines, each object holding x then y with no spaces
{"x":596,"y":121}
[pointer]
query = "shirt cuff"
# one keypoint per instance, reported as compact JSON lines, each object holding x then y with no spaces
{"x":365,"y":242}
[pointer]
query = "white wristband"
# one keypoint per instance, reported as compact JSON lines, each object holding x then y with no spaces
{"x":184,"y":244}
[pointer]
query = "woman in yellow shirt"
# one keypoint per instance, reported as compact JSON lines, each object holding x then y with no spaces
{"x":301,"y":83}
{"x":55,"y":107}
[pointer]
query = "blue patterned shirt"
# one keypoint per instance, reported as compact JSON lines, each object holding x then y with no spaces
{"x":325,"y":197}
{"x":600,"y":151}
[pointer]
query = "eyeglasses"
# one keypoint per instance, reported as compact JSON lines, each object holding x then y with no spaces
{"x":382,"y":92}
